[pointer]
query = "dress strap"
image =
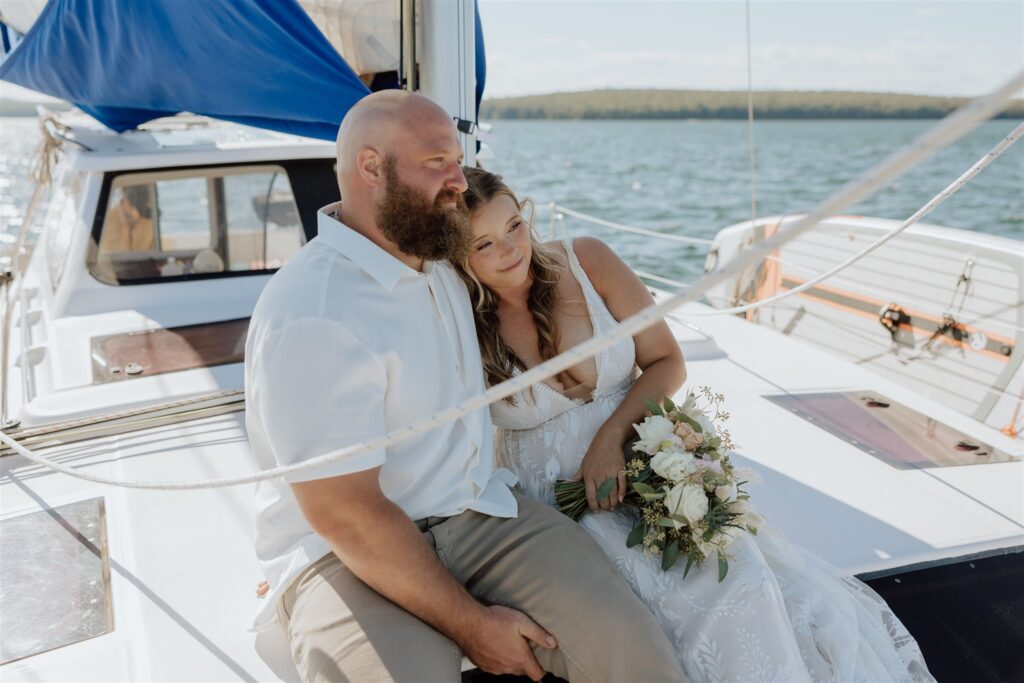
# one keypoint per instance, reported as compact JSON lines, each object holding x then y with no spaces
{"x":595,"y":304}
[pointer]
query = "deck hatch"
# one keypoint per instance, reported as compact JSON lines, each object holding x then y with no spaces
{"x":54,"y":579}
{"x":893,"y":433}
{"x":144,"y":353}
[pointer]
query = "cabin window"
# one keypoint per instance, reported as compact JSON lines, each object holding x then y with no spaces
{"x":200,"y":222}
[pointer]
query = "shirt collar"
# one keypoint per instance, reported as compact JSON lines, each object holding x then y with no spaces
{"x":377,"y":263}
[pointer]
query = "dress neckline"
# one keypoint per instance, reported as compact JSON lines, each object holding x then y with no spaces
{"x":583,"y":280}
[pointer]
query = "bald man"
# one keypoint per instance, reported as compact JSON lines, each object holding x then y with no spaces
{"x":388,"y":564}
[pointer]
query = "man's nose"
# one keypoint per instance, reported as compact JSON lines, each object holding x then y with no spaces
{"x":458,"y":180}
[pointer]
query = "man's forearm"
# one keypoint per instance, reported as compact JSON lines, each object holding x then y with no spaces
{"x":387,"y":552}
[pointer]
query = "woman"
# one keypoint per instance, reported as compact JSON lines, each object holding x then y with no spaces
{"x":781,"y":614}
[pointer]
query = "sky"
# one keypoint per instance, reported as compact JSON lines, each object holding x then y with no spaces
{"x":929,"y":47}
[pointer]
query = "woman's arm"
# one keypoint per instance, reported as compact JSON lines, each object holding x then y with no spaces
{"x":657,"y":354}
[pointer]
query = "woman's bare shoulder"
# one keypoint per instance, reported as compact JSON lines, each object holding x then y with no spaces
{"x":599,"y":261}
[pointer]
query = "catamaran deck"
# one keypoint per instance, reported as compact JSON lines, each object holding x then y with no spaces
{"x":182,"y":567}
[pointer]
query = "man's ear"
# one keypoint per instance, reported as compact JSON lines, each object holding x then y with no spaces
{"x":370,"y":164}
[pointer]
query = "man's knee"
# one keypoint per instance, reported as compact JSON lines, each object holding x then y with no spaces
{"x":342,"y":630}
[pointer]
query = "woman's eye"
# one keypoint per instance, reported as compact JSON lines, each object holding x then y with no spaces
{"x":483,"y":246}
{"x":517,"y":225}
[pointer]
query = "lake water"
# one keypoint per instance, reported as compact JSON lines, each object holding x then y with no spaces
{"x":692,"y":177}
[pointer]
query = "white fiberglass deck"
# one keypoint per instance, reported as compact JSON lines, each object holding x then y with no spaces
{"x":183,"y":567}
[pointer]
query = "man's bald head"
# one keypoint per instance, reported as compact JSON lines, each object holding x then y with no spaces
{"x":385,"y":121}
{"x":400,"y":175}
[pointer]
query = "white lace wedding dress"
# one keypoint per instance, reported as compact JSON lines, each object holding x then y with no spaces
{"x":781,"y":614}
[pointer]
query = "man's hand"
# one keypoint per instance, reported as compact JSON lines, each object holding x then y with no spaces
{"x":500,"y":643}
{"x":604,"y":460}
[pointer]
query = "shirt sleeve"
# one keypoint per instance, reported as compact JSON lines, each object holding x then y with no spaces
{"x":317,"y":389}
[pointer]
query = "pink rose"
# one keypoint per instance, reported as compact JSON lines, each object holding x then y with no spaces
{"x":691,"y":438}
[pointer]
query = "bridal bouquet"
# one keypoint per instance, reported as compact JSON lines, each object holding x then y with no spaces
{"x":687,"y":496}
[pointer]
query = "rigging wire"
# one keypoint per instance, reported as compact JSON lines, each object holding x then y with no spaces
{"x":750,"y":124}
{"x":938,"y":199}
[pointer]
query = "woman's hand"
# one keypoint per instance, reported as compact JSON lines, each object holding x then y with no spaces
{"x":262,"y":588}
{"x":604,"y":460}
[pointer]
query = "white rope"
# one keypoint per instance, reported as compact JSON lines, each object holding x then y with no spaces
{"x":946,"y":131}
{"x":921,"y":213}
{"x":658,"y":278}
{"x":630,"y":228}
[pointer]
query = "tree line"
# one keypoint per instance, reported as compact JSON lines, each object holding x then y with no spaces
{"x":714,"y":104}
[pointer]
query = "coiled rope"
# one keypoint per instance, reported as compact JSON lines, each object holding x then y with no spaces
{"x":946,"y":131}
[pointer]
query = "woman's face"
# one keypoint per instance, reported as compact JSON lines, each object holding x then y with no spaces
{"x":500,"y":250}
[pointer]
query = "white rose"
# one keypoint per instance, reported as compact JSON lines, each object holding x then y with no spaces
{"x":672,"y":465}
{"x":652,"y":431}
{"x":726,"y":492}
{"x":687,"y":501}
{"x":673,"y":442}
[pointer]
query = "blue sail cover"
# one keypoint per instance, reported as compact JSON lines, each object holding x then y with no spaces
{"x":257,"y":62}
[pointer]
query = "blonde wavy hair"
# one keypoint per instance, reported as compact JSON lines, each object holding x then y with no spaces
{"x":499,"y":360}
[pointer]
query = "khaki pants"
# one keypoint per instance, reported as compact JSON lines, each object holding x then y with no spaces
{"x":540,"y":563}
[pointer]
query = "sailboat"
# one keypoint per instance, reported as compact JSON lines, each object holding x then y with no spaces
{"x":123,"y":332}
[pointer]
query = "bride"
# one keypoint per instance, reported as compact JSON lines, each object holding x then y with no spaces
{"x":781,"y":614}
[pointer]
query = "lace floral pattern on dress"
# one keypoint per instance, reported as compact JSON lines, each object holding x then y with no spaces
{"x":782,"y":614}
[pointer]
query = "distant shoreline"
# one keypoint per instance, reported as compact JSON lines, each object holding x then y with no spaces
{"x":647,"y":105}
{"x":725,"y":105}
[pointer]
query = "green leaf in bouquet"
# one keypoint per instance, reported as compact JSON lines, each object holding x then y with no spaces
{"x":723,"y":568}
{"x":708,"y":535}
{"x":648,"y":492}
{"x":606,"y":488}
{"x":644,"y":475}
{"x":668,"y":404}
{"x":652,"y":407}
{"x":668,"y":558}
{"x":667,"y":523}
{"x":643,"y":488}
{"x":680,"y":520}
{"x":691,"y":558}
{"x":636,"y":536}
{"x":693,"y":423}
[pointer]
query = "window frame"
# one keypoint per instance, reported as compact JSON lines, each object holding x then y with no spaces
{"x":313,"y":183}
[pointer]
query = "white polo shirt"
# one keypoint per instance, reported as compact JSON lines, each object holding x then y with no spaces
{"x":347,"y":343}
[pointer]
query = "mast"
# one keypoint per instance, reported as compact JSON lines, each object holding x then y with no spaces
{"x":447,"y":64}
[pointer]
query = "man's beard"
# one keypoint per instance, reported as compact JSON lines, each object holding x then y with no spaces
{"x":420,"y":227}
